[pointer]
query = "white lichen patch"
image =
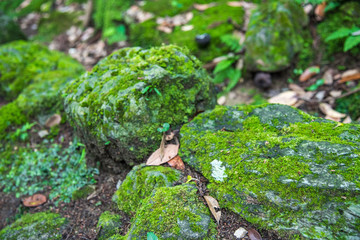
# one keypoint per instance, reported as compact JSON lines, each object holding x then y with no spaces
{"x":218,"y":171}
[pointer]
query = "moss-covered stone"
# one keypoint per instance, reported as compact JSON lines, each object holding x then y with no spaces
{"x":141,"y":182}
{"x":109,"y":225}
{"x":39,"y":226}
{"x":213,"y":21}
{"x":118,"y":106}
{"x":274,"y":35}
{"x":83,"y":192}
{"x":279,"y":168}
{"x":31,"y":77}
{"x":173,"y":213}
{"x":9,"y":30}
{"x":346,"y":16}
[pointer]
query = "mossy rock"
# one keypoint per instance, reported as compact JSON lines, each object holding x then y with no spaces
{"x":83,"y":192}
{"x":213,"y":21}
{"x":9,"y":30}
{"x":38,"y":226}
{"x":279,"y":168}
{"x":140,"y":182}
{"x":274,"y":35}
{"x":118,"y":106}
{"x":109,"y":225}
{"x":346,"y":16}
{"x":31,"y":77}
{"x":173,"y":213}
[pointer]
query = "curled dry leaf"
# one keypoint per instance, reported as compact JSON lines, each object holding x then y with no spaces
{"x":349,"y":73}
{"x":328,"y":77}
{"x":320,"y":11}
{"x":254,"y":235}
{"x":350,"y":78}
{"x":308,"y":73}
{"x":286,"y":98}
{"x":177,"y":163}
{"x":170,"y":151}
{"x":170,"y":136}
{"x":53,"y":121}
{"x":347,"y":120}
{"x":203,"y":7}
{"x":214,"y":207}
{"x":331,"y":113}
{"x":296,"y":88}
{"x":34,"y":200}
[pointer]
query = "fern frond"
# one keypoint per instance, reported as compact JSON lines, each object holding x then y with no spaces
{"x":231,"y":41}
{"x":351,"y":42}
{"x":340,"y":33}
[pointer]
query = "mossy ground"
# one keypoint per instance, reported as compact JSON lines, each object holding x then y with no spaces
{"x":42,"y":225}
{"x":282,"y":169}
{"x":213,"y":21}
{"x":131,"y":93}
{"x":109,"y":225}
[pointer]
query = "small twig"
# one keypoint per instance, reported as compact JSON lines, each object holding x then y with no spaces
{"x":348,"y":93}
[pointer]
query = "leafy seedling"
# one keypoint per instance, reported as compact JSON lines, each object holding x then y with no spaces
{"x":151,"y":236}
{"x":165,"y":127}
{"x":316,"y":85}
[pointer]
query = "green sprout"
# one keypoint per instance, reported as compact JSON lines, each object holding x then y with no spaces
{"x":149,"y":89}
{"x":164,"y":128}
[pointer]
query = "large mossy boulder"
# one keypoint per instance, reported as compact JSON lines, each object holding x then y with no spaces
{"x":9,"y":30}
{"x":31,"y":78}
{"x":274,"y":35}
{"x":279,"y":168}
{"x":173,"y":213}
{"x":38,"y":226}
{"x":118,"y":106}
{"x":140,"y":182}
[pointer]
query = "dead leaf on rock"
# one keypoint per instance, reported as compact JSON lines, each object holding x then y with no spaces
{"x":53,"y":121}
{"x":287,"y":98}
{"x":203,"y":7}
{"x":34,"y":200}
{"x":214,"y":207}
{"x":350,"y":78}
{"x":170,"y":151}
{"x":254,"y":235}
{"x":320,"y":11}
{"x":170,"y":136}
{"x":308,"y":73}
{"x":177,"y":163}
{"x":347,"y":120}
{"x":329,"y":112}
{"x":332,"y":118}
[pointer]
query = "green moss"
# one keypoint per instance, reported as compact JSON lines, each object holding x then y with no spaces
{"x":346,"y":16}
{"x":141,"y":182}
{"x":274,"y":35}
{"x":175,"y":213}
{"x":82,"y":192}
{"x":109,"y":225}
{"x":279,"y":168}
{"x":35,"y":226}
{"x":10,"y":31}
{"x":145,"y":34}
{"x":117,"y":100}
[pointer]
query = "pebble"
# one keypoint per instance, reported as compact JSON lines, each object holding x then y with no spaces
{"x":43,"y":133}
{"x":240,"y":233}
{"x":221,"y":100}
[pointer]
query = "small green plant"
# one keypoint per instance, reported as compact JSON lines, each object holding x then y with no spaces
{"x":316,"y":85}
{"x":21,"y":133}
{"x":164,"y":128}
{"x":149,"y":89}
{"x":151,"y":236}
{"x":352,"y":36}
{"x":225,"y":70}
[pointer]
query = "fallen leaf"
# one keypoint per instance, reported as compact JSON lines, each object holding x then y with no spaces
{"x":350,"y":78}
{"x":296,"y":88}
{"x":254,"y":235}
{"x":53,"y":121}
{"x":349,"y":73}
{"x":235,"y":4}
{"x":43,"y":133}
{"x":177,"y":163}
{"x":170,"y":136}
{"x":164,"y":29}
{"x":308,"y":73}
{"x":214,"y":207}
{"x":34,"y":200}
{"x":186,"y":28}
{"x":203,"y":7}
{"x":308,"y":8}
{"x":328,"y":77}
{"x":328,"y":111}
{"x":221,"y":100}
{"x":286,"y":98}
{"x":332,"y":118}
{"x":170,"y":151}
{"x":347,"y":120}
{"x":320,"y":11}
{"x":335,"y":93}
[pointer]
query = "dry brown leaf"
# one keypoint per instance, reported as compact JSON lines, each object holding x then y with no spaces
{"x":328,"y":77}
{"x":349,"y":73}
{"x":164,"y":29}
{"x":254,"y":235}
{"x":329,"y":112}
{"x":332,"y":118}
{"x":347,"y":120}
{"x":53,"y":121}
{"x":296,"y":88}
{"x":350,"y":78}
{"x":286,"y":98}
{"x":235,"y":4}
{"x":320,"y":11}
{"x":203,"y":7}
{"x":170,"y":136}
{"x":177,"y":163}
{"x":186,"y":28}
{"x":170,"y":151}
{"x":307,"y":74}
{"x":34,"y":200}
{"x":214,"y":207}
{"x":335,"y":93}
